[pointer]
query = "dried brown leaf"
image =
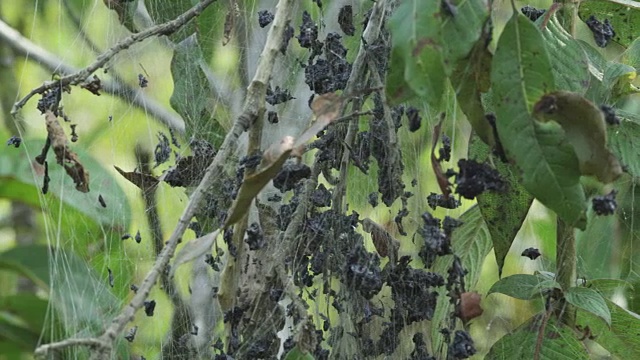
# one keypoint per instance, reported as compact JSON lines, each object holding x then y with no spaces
{"x":469,"y":306}
{"x":443,"y":182}
{"x":64,"y":156}
{"x":143,"y":181}
{"x":384,"y":243}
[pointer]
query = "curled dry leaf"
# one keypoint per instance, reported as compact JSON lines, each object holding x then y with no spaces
{"x":586,"y":130}
{"x":229,"y":22}
{"x":443,"y":182}
{"x":384,"y":243}
{"x":469,"y":306}
{"x":143,"y":181}
{"x":326,"y":108}
{"x":64,"y":156}
{"x":193,"y":250}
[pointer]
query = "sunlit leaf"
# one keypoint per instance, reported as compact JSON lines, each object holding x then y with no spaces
{"x":521,"y":75}
{"x":520,"y":286}
{"x":588,"y":300}
{"x":503,"y":211}
{"x":558,"y":342}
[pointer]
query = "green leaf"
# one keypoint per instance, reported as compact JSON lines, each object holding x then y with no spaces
{"x":622,"y":339}
{"x":472,"y":243}
{"x":570,"y":63}
{"x":558,"y":342}
{"x":460,"y":33}
{"x":416,"y":68}
{"x":588,"y":300}
{"x":624,"y":141}
{"x":29,"y":308}
{"x":30,"y":261}
{"x":297,"y":354}
{"x":631,"y":55}
{"x":522,"y":286}
{"x":470,"y":79}
{"x":521,"y":75}
{"x":624,"y":16}
{"x":585,"y":128}
{"x":607,"y":287}
{"x":192,"y":92}
{"x":13,"y":331}
{"x":503,"y":211}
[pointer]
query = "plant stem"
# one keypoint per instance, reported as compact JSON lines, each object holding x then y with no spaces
{"x":569,"y":15}
{"x":566,"y":263}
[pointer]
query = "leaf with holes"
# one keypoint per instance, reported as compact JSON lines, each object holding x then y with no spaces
{"x":503,"y":211}
{"x":622,"y":338}
{"x":521,"y":75}
{"x":624,"y":16}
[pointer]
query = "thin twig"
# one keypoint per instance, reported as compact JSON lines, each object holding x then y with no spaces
{"x":44,"y":350}
{"x":76,"y":78}
{"x":52,"y":63}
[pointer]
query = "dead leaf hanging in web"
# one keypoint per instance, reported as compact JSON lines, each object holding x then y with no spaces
{"x":64,"y":156}
{"x":326,"y":108}
{"x":193,"y":250}
{"x":143,"y":181}
{"x":443,"y":182}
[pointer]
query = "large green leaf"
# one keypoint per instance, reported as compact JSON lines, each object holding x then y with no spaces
{"x":622,"y":339}
{"x":416,"y":67}
{"x":503,"y":211}
{"x":624,"y":16}
{"x":192,"y":92}
{"x":570,"y":63}
{"x":588,"y":300}
{"x":459,"y":33}
{"x":521,"y":75}
{"x":558,"y":342}
{"x":610,"y":80}
{"x":471,"y":242}
{"x":522,"y":286}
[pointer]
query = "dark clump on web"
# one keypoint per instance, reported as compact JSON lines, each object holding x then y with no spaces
{"x":212,"y":262}
{"x":138,"y":237}
{"x":610,"y":115}
{"x":149,"y":307}
{"x":403,"y":212}
{"x":290,"y":175}
{"x":255,"y":238}
{"x":420,"y":351}
{"x":321,"y":197}
{"x":361,"y":151}
{"x":462,"y":346}
{"x":131,"y":335}
{"x":474,"y":178}
{"x":373,"y":199}
{"x":47,"y":179}
{"x":531,"y":253}
{"x":142,"y":81}
{"x":448,"y":8}
{"x":445,"y":151}
{"x":260,"y":348}
{"x":265,"y":18}
{"x":605,"y":204}
{"x":602,"y":31}
{"x":390,"y":183}
{"x":331,"y":73}
{"x":345,"y":20}
{"x":438,"y":200}
{"x":532,"y":13}
{"x":189,"y":170}
{"x":318,"y":2}
{"x":435,"y":241}
{"x":74,"y":135}
{"x":278,"y":96}
{"x":101,"y":201}
{"x":272,"y":117}
{"x":50,"y":101}
{"x":308,"y":37}
{"x":362,"y":272}
{"x":289,"y":32}
{"x":15,"y":141}
{"x":413,"y":116}
{"x":162,"y":152}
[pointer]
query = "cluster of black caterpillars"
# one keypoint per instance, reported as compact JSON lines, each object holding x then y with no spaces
{"x":335,"y":248}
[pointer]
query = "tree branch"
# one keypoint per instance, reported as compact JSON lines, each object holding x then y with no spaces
{"x":78,"y":77}
{"x":51,"y":62}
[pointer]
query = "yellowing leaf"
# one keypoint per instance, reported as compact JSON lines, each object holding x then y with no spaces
{"x":586,"y":130}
